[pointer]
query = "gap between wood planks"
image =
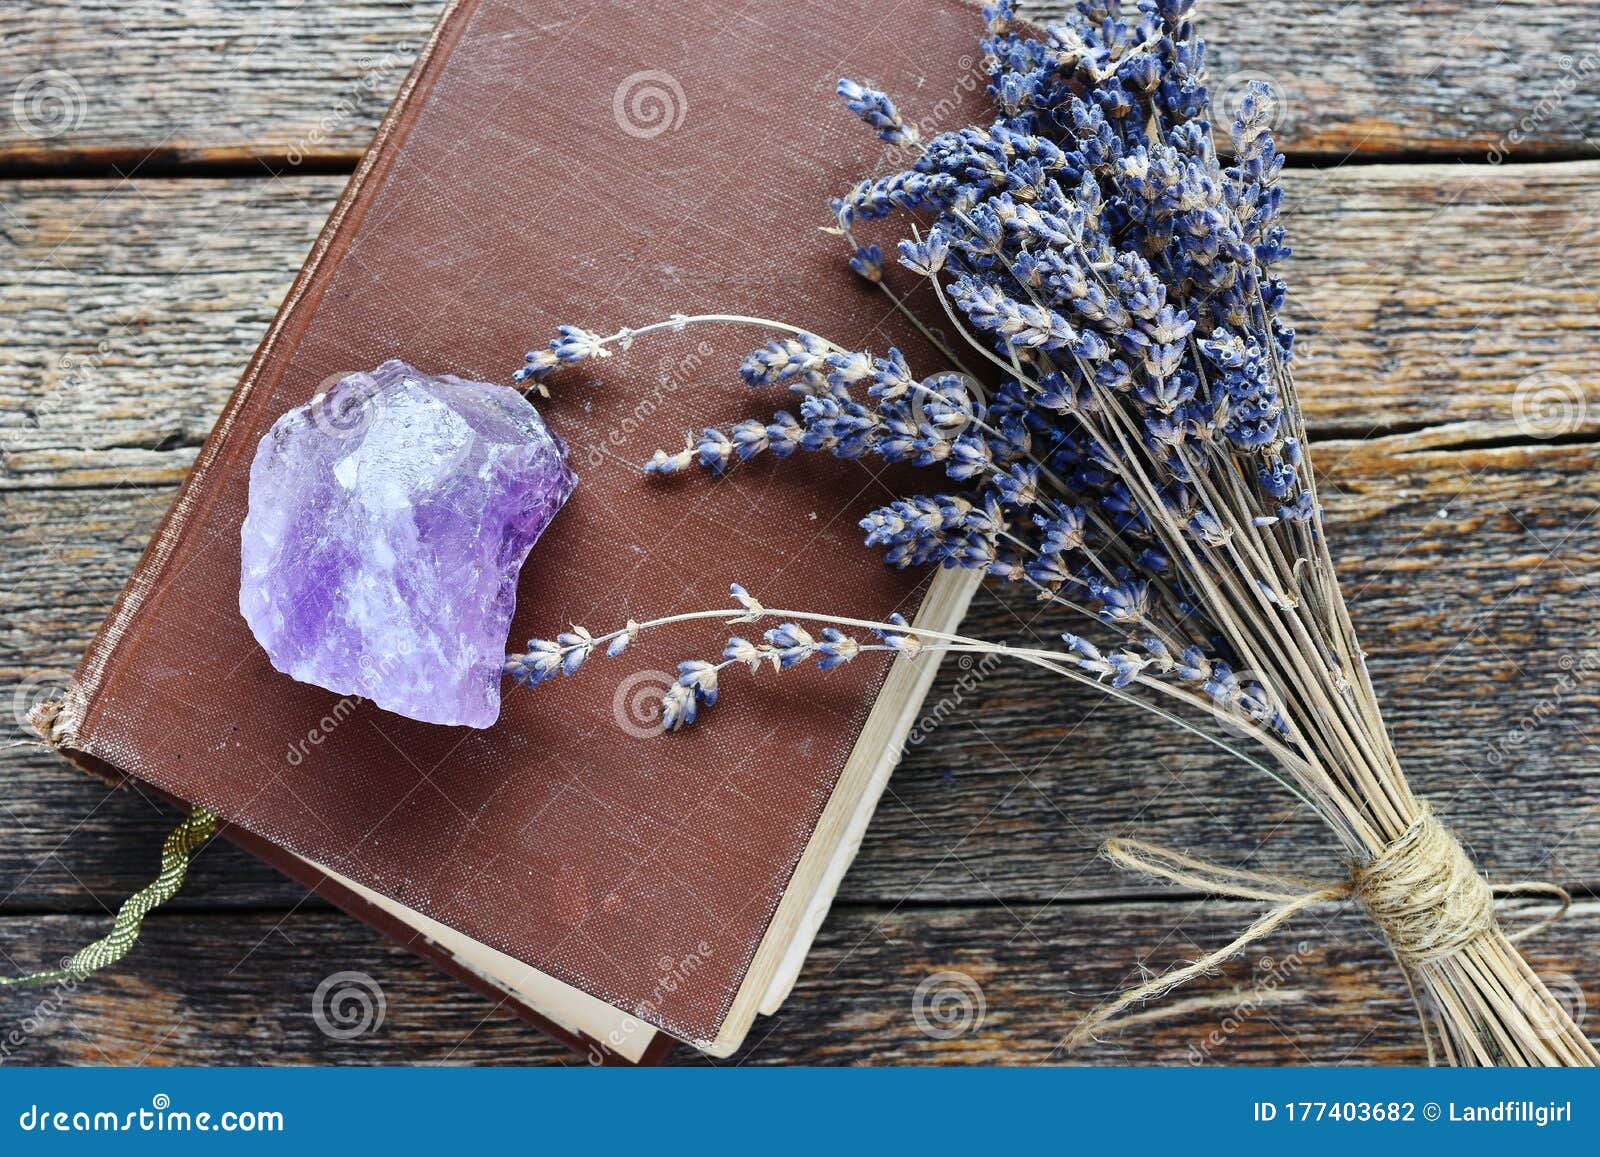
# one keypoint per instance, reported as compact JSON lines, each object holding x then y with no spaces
{"x":1157,"y":896}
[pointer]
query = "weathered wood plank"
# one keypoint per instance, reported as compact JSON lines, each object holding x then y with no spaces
{"x":1423,"y":295}
{"x":148,"y":84}
{"x":1375,"y":78}
{"x":122,"y":332}
{"x":1473,"y":576}
{"x":1453,"y":298}
{"x":241,"y":988}
{"x":1364,"y":77}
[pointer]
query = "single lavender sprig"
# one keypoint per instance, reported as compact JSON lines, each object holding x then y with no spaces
{"x":789,"y":645}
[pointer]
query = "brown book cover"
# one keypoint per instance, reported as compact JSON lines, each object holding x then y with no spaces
{"x":608,"y":165}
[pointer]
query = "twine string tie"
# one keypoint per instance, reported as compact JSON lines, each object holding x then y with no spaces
{"x":1422,"y":890}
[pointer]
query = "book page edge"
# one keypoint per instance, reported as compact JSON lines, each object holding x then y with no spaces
{"x":828,"y":854}
{"x":573,"y":1009}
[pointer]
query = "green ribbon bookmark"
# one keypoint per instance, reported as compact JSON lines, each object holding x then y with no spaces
{"x":185,"y":839}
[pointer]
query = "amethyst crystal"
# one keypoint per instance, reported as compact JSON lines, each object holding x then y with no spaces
{"x":388,"y":520}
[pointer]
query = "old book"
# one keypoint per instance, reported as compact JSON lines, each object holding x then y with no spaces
{"x":610,"y":167}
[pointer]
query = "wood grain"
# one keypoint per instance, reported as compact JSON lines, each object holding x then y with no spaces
{"x":284,"y":84}
{"x":1472,"y":575}
{"x":260,"y":80}
{"x":1423,"y":294}
{"x":240,"y":988}
{"x":1448,"y":323}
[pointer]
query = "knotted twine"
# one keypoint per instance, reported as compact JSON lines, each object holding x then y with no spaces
{"x":1422,"y":890}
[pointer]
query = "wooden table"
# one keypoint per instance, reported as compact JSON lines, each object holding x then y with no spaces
{"x":153,"y":215}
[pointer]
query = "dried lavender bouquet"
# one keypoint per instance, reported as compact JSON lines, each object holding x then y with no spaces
{"x":1140,"y":465}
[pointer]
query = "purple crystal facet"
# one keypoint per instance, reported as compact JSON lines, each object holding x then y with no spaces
{"x":388,"y":520}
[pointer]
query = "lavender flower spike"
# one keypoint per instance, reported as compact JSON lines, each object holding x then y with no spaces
{"x":1131,"y":451}
{"x":877,"y":110}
